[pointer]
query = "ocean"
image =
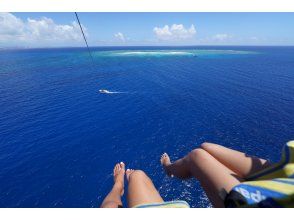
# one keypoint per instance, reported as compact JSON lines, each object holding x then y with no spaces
{"x":60,"y":137}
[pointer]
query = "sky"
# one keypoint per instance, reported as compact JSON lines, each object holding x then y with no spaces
{"x":135,"y":29}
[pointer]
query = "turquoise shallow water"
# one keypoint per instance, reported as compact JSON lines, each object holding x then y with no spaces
{"x":60,"y":137}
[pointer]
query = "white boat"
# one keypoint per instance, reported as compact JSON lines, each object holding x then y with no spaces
{"x":104,"y":91}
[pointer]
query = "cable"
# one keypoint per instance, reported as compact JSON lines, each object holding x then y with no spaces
{"x":84,"y":38}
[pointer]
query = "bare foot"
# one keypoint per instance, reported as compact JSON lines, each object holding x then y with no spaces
{"x":118,"y":176}
{"x":128,"y":173}
{"x":165,"y":162}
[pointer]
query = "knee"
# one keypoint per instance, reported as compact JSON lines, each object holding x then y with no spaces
{"x":206,"y":146}
{"x":137,"y":175}
{"x":197,"y":155}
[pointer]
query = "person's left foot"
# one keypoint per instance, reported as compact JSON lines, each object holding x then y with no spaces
{"x":119,"y":175}
{"x":165,"y":162}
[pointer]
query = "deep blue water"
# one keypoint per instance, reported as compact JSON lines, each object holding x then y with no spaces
{"x":60,"y":138}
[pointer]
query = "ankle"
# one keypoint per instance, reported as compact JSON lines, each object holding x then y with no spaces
{"x":118,"y":185}
{"x":168,"y":170}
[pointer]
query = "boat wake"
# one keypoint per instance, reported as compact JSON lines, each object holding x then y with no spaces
{"x":105,"y":91}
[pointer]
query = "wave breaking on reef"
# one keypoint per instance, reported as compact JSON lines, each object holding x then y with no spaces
{"x":166,"y":53}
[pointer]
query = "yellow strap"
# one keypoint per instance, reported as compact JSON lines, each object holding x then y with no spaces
{"x":284,"y":188}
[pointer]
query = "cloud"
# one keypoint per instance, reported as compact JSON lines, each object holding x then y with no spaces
{"x":10,"y":25}
{"x":175,"y":32}
{"x":14,"y":30}
{"x":120,"y":36}
{"x":222,"y":37}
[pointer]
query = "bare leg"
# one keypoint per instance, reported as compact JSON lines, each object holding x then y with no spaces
{"x":217,"y":168}
{"x":141,"y":189}
{"x":179,"y":168}
{"x":214,"y":177}
{"x":240,"y":163}
{"x":113,"y":199}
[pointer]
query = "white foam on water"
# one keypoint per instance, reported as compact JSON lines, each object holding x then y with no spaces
{"x":104,"y":91}
{"x":154,"y":53}
{"x":161,"y":53}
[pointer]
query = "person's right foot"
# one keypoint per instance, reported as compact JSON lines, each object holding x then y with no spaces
{"x":165,"y":162}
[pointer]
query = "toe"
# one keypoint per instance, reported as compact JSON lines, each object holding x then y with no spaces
{"x":122,"y":165}
{"x":128,"y":172}
{"x":116,"y":168}
{"x":163,"y":157}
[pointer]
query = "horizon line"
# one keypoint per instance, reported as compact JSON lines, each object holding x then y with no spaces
{"x":122,"y":46}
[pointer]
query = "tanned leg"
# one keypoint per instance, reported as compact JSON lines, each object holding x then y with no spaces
{"x":179,"y":168}
{"x":141,"y":189}
{"x":215,"y":178}
{"x":113,"y":199}
{"x":242,"y":164}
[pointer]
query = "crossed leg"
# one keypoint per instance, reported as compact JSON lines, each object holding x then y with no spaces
{"x":217,"y":168}
{"x":239,"y":162}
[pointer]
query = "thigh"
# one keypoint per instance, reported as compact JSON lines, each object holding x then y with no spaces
{"x":141,"y":190}
{"x":239,"y":162}
{"x":215,"y":178}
